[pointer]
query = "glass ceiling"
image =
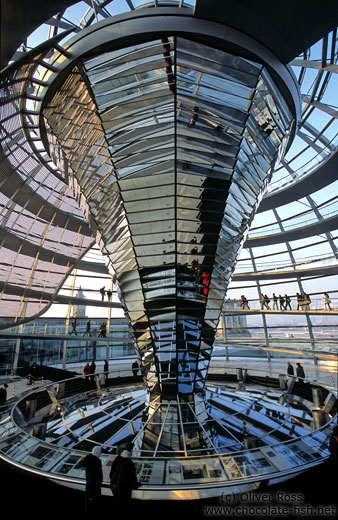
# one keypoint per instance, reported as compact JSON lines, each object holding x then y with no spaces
{"x":316,"y":70}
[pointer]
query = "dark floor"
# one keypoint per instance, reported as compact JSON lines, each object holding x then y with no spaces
{"x":318,"y":487}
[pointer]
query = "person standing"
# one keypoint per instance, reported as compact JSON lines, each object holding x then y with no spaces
{"x":33,"y":374}
{"x":307,"y":302}
{"x":94,"y":477}
{"x":290,"y":370}
{"x":281,"y":302}
{"x":109,"y":294}
{"x":3,"y":393}
{"x":262,"y":301}
{"x":300,"y":372}
{"x":265,"y":300}
{"x":106,"y":370}
{"x":287,"y":303}
{"x":333,"y":445}
{"x":103,"y":292}
{"x":87,"y":329}
{"x":103,"y":330}
{"x":92,"y":370}
{"x":244,"y":302}
{"x":123,"y":478}
{"x":73,"y":327}
{"x":86,"y":370}
{"x":327,"y":302}
{"x":275,"y":302}
{"x":135,"y":368}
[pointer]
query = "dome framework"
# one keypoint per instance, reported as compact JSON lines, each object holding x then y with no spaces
{"x":162,"y":131}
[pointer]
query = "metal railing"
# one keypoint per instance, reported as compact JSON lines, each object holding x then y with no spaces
{"x":314,"y":304}
{"x":327,"y":211}
{"x":163,"y":472}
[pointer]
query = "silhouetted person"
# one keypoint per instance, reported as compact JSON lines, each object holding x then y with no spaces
{"x":307,"y":302}
{"x":333,"y":445}
{"x":73,"y":328}
{"x":123,"y":479}
{"x":135,"y":368}
{"x":94,"y":477}
{"x":193,"y":119}
{"x":281,"y":302}
{"x":106,"y":370}
{"x":299,"y":301}
{"x":92,"y":370}
{"x":290,"y":370}
{"x":266,"y":302}
{"x":87,"y":331}
{"x":103,"y":330}
{"x":109,"y":294}
{"x":275,"y":302}
{"x":287,"y":302}
{"x":262,"y":301}
{"x":244,"y":302}
{"x":33,"y":373}
{"x":300,"y":372}
{"x":103,"y":292}
{"x":3,"y":393}
{"x":327,"y":301}
{"x":86,"y":370}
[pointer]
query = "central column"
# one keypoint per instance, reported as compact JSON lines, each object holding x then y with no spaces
{"x":169,"y":146}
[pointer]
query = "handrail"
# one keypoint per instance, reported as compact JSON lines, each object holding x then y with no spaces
{"x":282,"y":265}
{"x":317,"y":305}
{"x":221,"y":458}
{"x":320,"y":305}
{"x":296,"y":222}
{"x":305,"y":169}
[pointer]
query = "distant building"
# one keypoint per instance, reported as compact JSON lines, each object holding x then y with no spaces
{"x":79,"y":311}
{"x":235,"y":324}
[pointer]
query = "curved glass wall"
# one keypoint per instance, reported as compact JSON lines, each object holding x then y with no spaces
{"x":314,"y":146}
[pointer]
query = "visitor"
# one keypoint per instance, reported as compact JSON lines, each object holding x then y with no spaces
{"x":103,"y":292}
{"x":300,"y":372}
{"x":87,"y":331}
{"x":94,"y":478}
{"x":244,"y":302}
{"x":290,"y":370}
{"x":109,"y":294}
{"x":33,"y":374}
{"x":266,"y":302}
{"x":281,"y":302}
{"x":333,"y":445}
{"x":3,"y":393}
{"x":135,"y":368}
{"x":193,"y":119}
{"x":73,"y":327}
{"x":103,"y":330}
{"x":106,"y":370}
{"x":86,"y":370}
{"x":327,"y":302}
{"x":92,"y":370}
{"x":300,"y":301}
{"x":262,"y":301}
{"x":275,"y":302}
{"x":123,"y":479}
{"x":287,"y":303}
{"x":306,"y":302}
